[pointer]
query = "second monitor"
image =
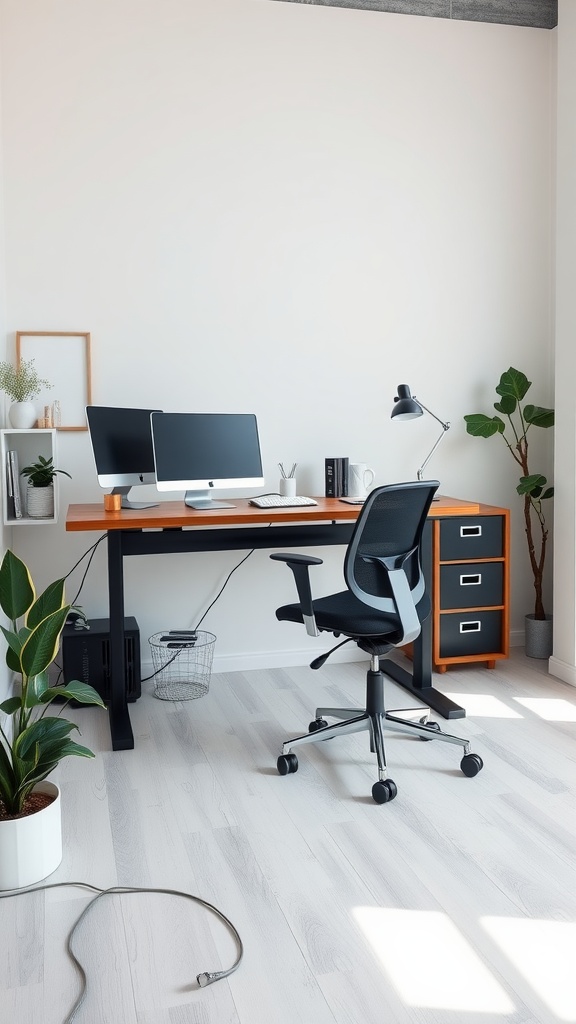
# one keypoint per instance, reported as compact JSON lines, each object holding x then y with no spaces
{"x":200,"y":453}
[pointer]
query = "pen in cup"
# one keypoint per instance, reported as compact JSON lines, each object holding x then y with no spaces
{"x":287,"y":480}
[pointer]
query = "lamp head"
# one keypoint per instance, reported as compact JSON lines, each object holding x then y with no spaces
{"x":405,"y":407}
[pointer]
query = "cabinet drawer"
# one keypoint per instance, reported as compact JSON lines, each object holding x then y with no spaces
{"x":472,"y":537}
{"x":470,"y":585}
{"x":465,"y":633}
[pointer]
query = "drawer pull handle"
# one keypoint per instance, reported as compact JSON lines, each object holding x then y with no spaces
{"x":471,"y":531}
{"x":471,"y":580}
{"x":471,"y":627}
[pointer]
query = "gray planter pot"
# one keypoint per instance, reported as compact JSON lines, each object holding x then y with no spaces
{"x":538,"y":637}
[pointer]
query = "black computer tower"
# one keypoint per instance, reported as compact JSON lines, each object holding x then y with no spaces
{"x":86,"y":656}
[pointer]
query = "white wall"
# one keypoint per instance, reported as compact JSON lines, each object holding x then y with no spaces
{"x":563,"y":664}
{"x":285,"y":209}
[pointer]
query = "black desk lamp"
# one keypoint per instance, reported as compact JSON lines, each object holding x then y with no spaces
{"x":407,"y":407}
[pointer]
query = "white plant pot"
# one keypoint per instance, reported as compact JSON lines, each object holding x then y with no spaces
{"x":40,"y":502}
{"x":22,"y":415}
{"x":31,"y":847}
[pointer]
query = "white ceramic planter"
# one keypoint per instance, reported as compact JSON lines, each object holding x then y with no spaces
{"x":22,"y":415}
{"x":31,"y":847}
{"x":40,"y":502}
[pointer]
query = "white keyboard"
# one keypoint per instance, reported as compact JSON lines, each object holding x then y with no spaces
{"x":278,"y":501}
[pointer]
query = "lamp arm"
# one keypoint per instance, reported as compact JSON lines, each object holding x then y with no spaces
{"x":445,"y":427}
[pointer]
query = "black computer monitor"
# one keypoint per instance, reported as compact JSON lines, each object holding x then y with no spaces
{"x":122,"y":446}
{"x":200,"y":453}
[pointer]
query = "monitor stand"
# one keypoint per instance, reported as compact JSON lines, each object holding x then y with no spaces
{"x":126,"y":503}
{"x":203,"y":500}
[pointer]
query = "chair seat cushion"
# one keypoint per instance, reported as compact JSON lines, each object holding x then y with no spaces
{"x":344,"y":613}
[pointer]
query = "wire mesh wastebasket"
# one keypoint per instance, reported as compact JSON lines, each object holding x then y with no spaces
{"x":182,"y":668}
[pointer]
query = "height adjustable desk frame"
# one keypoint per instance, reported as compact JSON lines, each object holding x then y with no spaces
{"x":172,"y":527}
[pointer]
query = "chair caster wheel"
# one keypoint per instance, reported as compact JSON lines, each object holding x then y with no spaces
{"x":383,"y":791}
{"x":471,"y":764}
{"x":433,"y":726}
{"x":287,"y":764}
{"x":318,"y":723}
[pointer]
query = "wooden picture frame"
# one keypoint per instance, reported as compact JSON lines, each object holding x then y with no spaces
{"x":63,"y":358}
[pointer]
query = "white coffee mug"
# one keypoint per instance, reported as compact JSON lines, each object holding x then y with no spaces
{"x":360,"y":479}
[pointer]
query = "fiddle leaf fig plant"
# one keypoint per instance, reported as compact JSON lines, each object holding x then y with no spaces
{"x":32,"y":743}
{"x":532,"y":487}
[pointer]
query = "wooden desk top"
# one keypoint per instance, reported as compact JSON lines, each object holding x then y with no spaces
{"x":175,"y":514}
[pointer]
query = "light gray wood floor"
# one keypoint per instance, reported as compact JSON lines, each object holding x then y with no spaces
{"x":454,"y":904}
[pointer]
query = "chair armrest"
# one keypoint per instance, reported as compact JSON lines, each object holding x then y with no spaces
{"x":403,"y":598}
{"x":300,"y":565}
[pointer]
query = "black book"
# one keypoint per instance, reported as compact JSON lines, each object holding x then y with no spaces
{"x":343,"y":465}
{"x":13,"y":473}
{"x":330,"y":477}
{"x":9,"y":489}
{"x":336,"y":477}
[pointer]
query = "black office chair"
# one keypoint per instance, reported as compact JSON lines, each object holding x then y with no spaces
{"x":383,"y":608}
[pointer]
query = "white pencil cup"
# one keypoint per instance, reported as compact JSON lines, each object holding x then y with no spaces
{"x":287,"y":487}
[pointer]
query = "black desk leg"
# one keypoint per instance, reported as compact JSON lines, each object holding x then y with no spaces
{"x":120,"y":725}
{"x":419,"y":682}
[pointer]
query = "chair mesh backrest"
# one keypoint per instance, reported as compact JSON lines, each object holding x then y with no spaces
{"x":390,"y":525}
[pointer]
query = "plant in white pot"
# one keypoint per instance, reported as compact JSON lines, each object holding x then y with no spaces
{"x":22,"y":384}
{"x":40,"y":491}
{"x":32,"y":743}
{"x":532,"y":487}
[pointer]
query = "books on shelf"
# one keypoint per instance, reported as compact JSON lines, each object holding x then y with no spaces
{"x":13,"y":485}
{"x":336,"y":477}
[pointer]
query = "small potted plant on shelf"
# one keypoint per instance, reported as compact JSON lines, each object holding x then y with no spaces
{"x":22,"y":384}
{"x":40,"y":491}
{"x":33,"y":743}
{"x":532,"y":488}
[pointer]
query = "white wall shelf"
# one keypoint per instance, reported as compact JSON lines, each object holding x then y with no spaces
{"x":28,"y":445}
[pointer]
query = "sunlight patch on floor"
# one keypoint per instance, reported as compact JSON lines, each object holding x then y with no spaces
{"x":544,"y":952}
{"x":553,"y":709}
{"x":483,"y":705}
{"x":429,"y":961}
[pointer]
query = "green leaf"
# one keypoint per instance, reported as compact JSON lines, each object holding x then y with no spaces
{"x":45,"y":733}
{"x":29,"y":773}
{"x":8,"y":781}
{"x":13,"y":640}
{"x":531,"y":484}
{"x":16,"y":587}
{"x":36,"y":689}
{"x":548,"y":493}
{"x":11,"y":705}
{"x":40,"y":648}
{"x":13,"y":661}
{"x":13,"y":649}
{"x":480,"y":425}
{"x":74,"y":690}
{"x":507,"y":406}
{"x":539,"y":416}
{"x":51,"y":600}
{"x":41,"y":747}
{"x":513,"y":383}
